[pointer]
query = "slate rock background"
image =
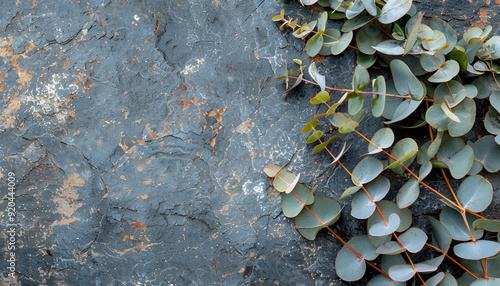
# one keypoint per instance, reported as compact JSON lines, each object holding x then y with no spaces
{"x":138,"y":132}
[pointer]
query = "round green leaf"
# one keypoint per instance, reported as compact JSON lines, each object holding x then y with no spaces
{"x":314,"y":44}
{"x":460,"y":57}
{"x":378,"y":102}
{"x":475,"y":193}
{"x":381,"y":228}
{"x":434,"y":280}
{"x":272,"y":170}
{"x":456,"y":155}
{"x":390,"y":47}
{"x":381,"y":280}
{"x":310,"y":125}
{"x":449,"y":32}
{"x":487,"y":224}
{"x":383,"y":138}
{"x":436,"y":42}
{"x":348,"y":265}
{"x":330,"y":37}
{"x":401,"y":272}
{"x":413,"y":239}
{"x":456,"y":225}
{"x":448,"y":280}
{"x":495,"y":100}
{"x":434,"y":147}
{"x":324,"y":144}
{"x":359,"y":21}
{"x":453,"y":98}
{"x":486,"y":85}
{"x":365,"y":60}
{"x":404,"y":151}
{"x":322,"y":21}
{"x":344,"y":41}
{"x":350,"y":191}
{"x":390,"y":248}
{"x":368,"y":36}
{"x":390,"y":260}
{"x":355,"y":9}
{"x":292,"y":205}
{"x":315,"y":136}
{"x":431,"y":63}
{"x":362,"y":206}
{"x":487,"y":151}
{"x":366,"y":170}
{"x":441,"y":236}
{"x":491,"y":281}
{"x":405,"y":81}
{"x":361,"y":78}
{"x":304,"y":30}
{"x":322,"y":97}
{"x":348,"y":126}
{"x":447,"y":71}
{"x":465,"y":111}
{"x":326,"y":209}
{"x":490,"y":50}
{"x":393,"y":10}
{"x":475,"y":250}
{"x":492,"y":121}
{"x":370,"y":6}
{"x":355,"y":104}
{"x":397,"y":109}
{"x":284,"y":181}
{"x":408,"y":193}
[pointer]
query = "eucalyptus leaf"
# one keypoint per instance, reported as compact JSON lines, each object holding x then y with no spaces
{"x":284,"y":180}
{"x":390,"y":47}
{"x":405,"y":81}
{"x":318,"y":78}
{"x":348,"y":265}
{"x":475,"y":193}
{"x":412,"y":32}
{"x":378,"y":102}
{"x":361,"y":79}
{"x":364,"y":60}
{"x":453,"y":92}
{"x":369,"y":35}
{"x":487,"y":224}
{"x":408,"y":193}
{"x":344,"y":41}
{"x":451,"y":35}
{"x":434,"y":280}
{"x":381,"y":280}
{"x":272,"y":170}
{"x":293,"y":203}
{"x":322,"y":97}
{"x":383,"y":138}
{"x":359,"y":21}
{"x":387,"y":208}
{"x":475,"y":250}
{"x":314,"y":44}
{"x":492,"y":121}
{"x":323,"y":145}
{"x":366,"y":170}
{"x":441,"y":236}
{"x":487,"y":151}
{"x":404,"y":152}
{"x":446,"y":72}
{"x":431,"y":63}
{"x":382,"y":229}
{"x":362,"y":206}
{"x":456,"y":155}
{"x":393,"y":10}
{"x":456,"y":225}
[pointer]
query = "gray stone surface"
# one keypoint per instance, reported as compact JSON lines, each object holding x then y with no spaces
{"x":138,"y":132}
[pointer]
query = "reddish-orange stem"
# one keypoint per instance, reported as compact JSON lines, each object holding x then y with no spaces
{"x":454,"y":261}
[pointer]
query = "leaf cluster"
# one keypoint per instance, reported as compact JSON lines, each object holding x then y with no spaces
{"x":443,"y":75}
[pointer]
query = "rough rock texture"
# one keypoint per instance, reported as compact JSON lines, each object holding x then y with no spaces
{"x":138,"y":132}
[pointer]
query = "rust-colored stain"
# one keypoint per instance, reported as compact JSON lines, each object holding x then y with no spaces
{"x":138,"y":248}
{"x":65,"y":199}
